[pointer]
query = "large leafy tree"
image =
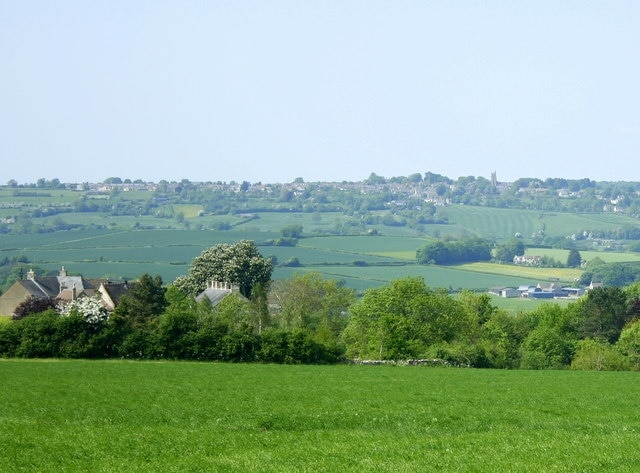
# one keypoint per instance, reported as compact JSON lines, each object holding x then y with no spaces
{"x":239,"y":263}
{"x":310,"y":302}
{"x":551,"y":340}
{"x":602,"y":313}
{"x":629,"y":343}
{"x":402,"y":319}
{"x":505,"y":253}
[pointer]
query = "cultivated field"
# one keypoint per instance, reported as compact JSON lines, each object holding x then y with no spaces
{"x":488,"y":222}
{"x":361,"y":261}
{"x":127,"y":246}
{"x":107,"y":416}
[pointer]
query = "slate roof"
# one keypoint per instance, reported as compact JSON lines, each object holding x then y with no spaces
{"x":116,"y":290}
{"x":41,"y":287}
{"x":216,"y":291}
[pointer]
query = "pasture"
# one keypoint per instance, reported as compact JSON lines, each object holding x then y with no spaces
{"x":105,"y":416}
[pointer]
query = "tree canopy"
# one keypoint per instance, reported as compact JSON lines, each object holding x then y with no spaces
{"x":238,"y":263}
{"x":453,"y":252}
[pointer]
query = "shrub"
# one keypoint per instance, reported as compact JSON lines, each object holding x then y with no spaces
{"x":598,"y":355}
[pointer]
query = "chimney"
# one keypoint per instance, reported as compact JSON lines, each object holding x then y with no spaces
{"x":63,"y":273}
{"x":31,"y":274}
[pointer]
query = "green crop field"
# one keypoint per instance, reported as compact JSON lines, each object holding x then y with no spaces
{"x":532,"y":273}
{"x":360,"y":261}
{"x":606,"y":256}
{"x":106,"y":416}
{"x":434,"y":276}
{"x":335,"y":243}
{"x":503,"y":224}
{"x":394,"y":247}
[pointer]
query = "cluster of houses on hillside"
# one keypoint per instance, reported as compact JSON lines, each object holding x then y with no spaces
{"x":64,"y":289}
{"x":543,"y":290}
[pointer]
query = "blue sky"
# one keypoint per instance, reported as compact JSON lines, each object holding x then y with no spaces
{"x":324,"y":90}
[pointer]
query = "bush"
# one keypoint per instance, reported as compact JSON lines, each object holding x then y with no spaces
{"x":598,"y":355}
{"x":239,"y":346}
{"x":629,"y":343}
{"x":139,"y":344}
{"x":546,"y":348}
{"x":38,"y":337}
{"x":279,"y":346}
{"x":9,"y":339}
{"x":176,"y":335}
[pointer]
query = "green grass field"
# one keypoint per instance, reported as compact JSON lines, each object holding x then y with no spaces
{"x":107,"y":416}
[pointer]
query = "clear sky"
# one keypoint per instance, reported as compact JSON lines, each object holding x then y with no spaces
{"x":330,"y":90}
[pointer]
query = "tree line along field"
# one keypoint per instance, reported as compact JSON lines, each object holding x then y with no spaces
{"x":183,"y":416}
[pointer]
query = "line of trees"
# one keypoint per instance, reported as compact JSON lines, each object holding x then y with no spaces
{"x":455,"y":251}
{"x":309,"y":319}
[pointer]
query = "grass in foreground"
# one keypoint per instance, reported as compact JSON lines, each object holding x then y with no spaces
{"x":142,"y":416}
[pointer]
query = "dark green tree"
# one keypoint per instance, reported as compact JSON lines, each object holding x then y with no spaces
{"x":506,"y":252}
{"x":145,"y":301}
{"x":574,"y":260}
{"x":292,"y":231}
{"x":454,"y":252}
{"x":602,"y":313}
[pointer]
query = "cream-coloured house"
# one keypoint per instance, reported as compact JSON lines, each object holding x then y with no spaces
{"x":62,"y":288}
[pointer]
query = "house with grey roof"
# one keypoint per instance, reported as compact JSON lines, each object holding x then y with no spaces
{"x":216,"y":291}
{"x":61,"y":288}
{"x":111,"y":293}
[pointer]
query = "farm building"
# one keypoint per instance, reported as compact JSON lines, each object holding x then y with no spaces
{"x":574,"y":291}
{"x":537,"y":293}
{"x":505,"y":292}
{"x":525,"y":260}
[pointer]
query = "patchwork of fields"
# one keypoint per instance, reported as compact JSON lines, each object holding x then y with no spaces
{"x":125,"y":247}
{"x":361,"y":261}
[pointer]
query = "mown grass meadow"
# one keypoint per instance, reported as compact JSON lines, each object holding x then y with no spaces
{"x":105,"y":416}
